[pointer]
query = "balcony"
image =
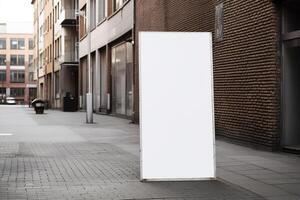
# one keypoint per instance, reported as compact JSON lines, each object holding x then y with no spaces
{"x":68,"y":57}
{"x":69,"y":18}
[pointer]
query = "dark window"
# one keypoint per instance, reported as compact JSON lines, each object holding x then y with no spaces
{"x":30,"y":44}
{"x":58,"y":47}
{"x":58,"y":11}
{"x":31,"y":76}
{"x":56,"y":77}
{"x":50,"y":53}
{"x":17,"y":76}
{"x":17,"y":43}
{"x":83,"y":23}
{"x":291,"y":16}
{"x":17,"y":92}
{"x":13,"y":44}
{"x":101,"y":10}
{"x":13,"y":59}
{"x":30,"y":59}
{"x":2,"y":91}
{"x":41,"y":60}
{"x":93,"y":13}
{"x":21,"y":60}
{"x":50,"y":24}
{"x":2,"y":43}
{"x":17,"y":60}
{"x":32,"y":93}
{"x":55,"y":14}
{"x":2,"y":59}
{"x":21,"y":44}
{"x":2,"y":75}
{"x":117,"y":4}
{"x":30,"y":63}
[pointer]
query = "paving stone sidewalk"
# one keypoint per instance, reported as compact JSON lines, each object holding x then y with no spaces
{"x":58,"y":156}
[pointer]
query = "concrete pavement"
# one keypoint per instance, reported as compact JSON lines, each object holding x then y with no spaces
{"x":58,"y":156}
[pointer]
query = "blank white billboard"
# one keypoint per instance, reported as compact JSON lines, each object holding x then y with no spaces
{"x":176,"y":106}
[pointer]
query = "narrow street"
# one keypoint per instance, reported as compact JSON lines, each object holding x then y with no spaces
{"x":58,"y":156}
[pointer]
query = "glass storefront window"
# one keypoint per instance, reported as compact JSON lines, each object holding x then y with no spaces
{"x":291,"y":17}
{"x":103,"y":84}
{"x":122,"y":79}
{"x":129,"y":80}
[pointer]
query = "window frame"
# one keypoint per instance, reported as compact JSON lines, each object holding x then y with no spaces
{"x":15,"y":92}
{"x":3,"y":74}
{"x":56,"y":84}
{"x":30,"y":44}
{"x":118,"y":5}
{"x":2,"y":91}
{"x":17,"y":60}
{"x":4,"y":42}
{"x":93,"y":14}
{"x":20,"y":44}
{"x":101,"y":6}
{"x":17,"y":76}
{"x":4,"y":61}
{"x":31,"y":76}
{"x":83,"y":30}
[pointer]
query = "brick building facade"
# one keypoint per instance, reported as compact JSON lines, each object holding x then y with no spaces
{"x":106,"y":57}
{"x":56,"y":50}
{"x":248,"y":68}
{"x":255,"y":57}
{"x":16,"y":67}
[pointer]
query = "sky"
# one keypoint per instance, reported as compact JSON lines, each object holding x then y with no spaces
{"x":18,"y":14}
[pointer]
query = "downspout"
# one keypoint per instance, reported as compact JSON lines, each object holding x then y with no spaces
{"x":280,"y":132}
{"x":37,"y":50}
{"x":52,"y":58}
{"x":135,"y":70}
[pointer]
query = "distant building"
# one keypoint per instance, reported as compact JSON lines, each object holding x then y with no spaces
{"x":3,"y":28}
{"x":16,"y":67}
{"x":56,"y":52}
{"x":110,"y":27}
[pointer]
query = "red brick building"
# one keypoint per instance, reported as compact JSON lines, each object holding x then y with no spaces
{"x":256,"y":54}
{"x":16,"y":67}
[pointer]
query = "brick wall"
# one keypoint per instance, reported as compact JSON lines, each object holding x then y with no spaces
{"x":246,"y":69}
{"x":246,"y":72}
{"x":149,"y":16}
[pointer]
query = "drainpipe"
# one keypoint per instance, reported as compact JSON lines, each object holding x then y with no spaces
{"x":134,"y":64}
{"x":38,"y":51}
{"x":52,"y":58}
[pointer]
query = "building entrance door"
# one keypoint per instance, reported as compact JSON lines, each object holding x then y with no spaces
{"x":122,"y":79}
{"x":291,"y":75}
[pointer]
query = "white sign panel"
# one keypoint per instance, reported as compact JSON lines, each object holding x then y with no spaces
{"x":176,"y":106}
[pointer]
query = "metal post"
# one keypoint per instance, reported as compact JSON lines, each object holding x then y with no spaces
{"x":52,"y":57}
{"x":89,"y":95}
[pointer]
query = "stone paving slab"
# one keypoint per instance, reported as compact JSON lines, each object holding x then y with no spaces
{"x":88,"y":170}
{"x":58,"y":156}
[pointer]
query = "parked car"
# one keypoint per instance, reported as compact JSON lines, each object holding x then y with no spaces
{"x":11,"y":101}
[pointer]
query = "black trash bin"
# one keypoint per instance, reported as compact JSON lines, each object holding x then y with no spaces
{"x":69,"y":103}
{"x":39,"y":106}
